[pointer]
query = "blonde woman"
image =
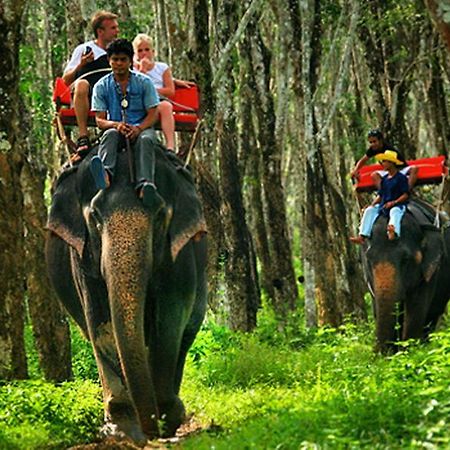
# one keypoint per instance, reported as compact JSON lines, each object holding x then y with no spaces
{"x":161,"y":76}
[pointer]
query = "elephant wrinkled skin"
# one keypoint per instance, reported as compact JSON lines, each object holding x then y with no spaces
{"x":409,"y":279}
{"x":134,"y":281}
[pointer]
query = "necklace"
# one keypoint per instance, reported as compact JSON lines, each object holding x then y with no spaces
{"x":123,"y":99}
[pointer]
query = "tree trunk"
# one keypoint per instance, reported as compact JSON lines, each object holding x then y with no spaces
{"x":77,"y":27}
{"x":438,"y":105}
{"x":282,"y":272}
{"x":325,"y":217}
{"x":50,"y":326}
{"x":250,"y":157}
{"x":12,"y":350}
{"x":240,"y":264}
{"x":205,"y":154}
{"x":443,"y":27}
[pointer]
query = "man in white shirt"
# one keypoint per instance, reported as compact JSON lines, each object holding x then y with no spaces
{"x":86,"y":66}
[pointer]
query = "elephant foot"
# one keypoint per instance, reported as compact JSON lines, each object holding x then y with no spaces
{"x":386,"y":349}
{"x":121,"y":423}
{"x":124,"y":431}
{"x":172,"y":416}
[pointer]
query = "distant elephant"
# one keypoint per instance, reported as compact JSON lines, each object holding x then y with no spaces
{"x":134,"y":281}
{"x":409,"y":277}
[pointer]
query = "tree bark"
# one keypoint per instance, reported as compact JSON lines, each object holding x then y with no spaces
{"x":12,"y":350}
{"x":281,"y":268}
{"x":77,"y":26}
{"x":443,"y":27}
{"x":205,"y":154}
{"x":50,"y":325}
{"x":240,"y":264}
{"x":251,"y":162}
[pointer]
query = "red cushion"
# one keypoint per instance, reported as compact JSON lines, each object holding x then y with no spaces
{"x":186,"y":99}
{"x":430,"y":170}
{"x":61,"y":92}
{"x":186,"y":106}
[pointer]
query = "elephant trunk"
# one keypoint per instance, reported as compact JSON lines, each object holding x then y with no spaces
{"x":126,"y":266}
{"x":387,"y":291}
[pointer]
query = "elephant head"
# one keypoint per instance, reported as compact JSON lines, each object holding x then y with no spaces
{"x":402,"y":277}
{"x":138,"y":286}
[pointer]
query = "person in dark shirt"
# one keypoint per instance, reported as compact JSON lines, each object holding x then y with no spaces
{"x":391,"y":200}
{"x":378,"y":145}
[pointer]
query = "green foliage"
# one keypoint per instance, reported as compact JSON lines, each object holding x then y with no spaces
{"x":278,"y":387}
{"x":332,"y":392}
{"x":83,"y":360}
{"x":36,"y":414}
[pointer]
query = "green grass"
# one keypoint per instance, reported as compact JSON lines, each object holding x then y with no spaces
{"x":272,"y":389}
{"x":332,"y":392}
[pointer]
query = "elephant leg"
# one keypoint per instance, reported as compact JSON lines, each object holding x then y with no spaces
{"x":57,"y":254}
{"x":386,"y":321}
{"x":415,"y":315}
{"x":163,"y":357}
{"x":120,"y":416}
{"x":174,"y":308}
{"x":198,"y":312}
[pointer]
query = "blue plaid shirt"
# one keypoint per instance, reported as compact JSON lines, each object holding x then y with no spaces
{"x":141,"y":95}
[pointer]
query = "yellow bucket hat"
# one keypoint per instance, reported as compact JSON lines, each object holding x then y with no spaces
{"x":389,"y":155}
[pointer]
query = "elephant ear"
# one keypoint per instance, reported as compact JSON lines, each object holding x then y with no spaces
{"x":187,"y":221}
{"x":65,"y":218}
{"x":432,"y":250}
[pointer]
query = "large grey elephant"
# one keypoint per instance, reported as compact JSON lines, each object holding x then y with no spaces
{"x":134,"y":280}
{"x":409,"y":277}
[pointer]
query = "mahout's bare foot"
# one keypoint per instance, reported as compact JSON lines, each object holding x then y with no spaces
{"x":358,"y":239}
{"x":391,"y":232}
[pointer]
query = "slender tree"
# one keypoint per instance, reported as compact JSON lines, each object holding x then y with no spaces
{"x":50,"y":325}
{"x":12,"y":353}
{"x":240,"y":264}
{"x":440,"y":13}
{"x":281,"y":270}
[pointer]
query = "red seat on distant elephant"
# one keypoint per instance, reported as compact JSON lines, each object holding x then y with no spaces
{"x":430,"y":171}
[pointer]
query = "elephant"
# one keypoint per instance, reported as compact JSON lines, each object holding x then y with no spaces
{"x":408,"y":277}
{"x":133,"y":277}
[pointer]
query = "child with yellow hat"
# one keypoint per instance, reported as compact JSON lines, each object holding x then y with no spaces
{"x":391,"y":200}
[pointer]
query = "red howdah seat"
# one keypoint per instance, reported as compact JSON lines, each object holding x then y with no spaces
{"x":430,"y":171}
{"x":186,"y":107}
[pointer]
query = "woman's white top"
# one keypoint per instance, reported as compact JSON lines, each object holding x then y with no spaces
{"x":156,"y":74}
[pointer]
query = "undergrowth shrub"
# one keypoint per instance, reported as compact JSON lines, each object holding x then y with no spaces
{"x":332,"y":391}
{"x":83,"y":361}
{"x":279,"y":387}
{"x":37,"y":414}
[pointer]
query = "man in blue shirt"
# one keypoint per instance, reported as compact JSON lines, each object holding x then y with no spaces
{"x":391,"y":200}
{"x":125,"y":104}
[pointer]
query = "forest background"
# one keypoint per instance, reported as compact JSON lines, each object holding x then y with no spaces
{"x":289,"y":90}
